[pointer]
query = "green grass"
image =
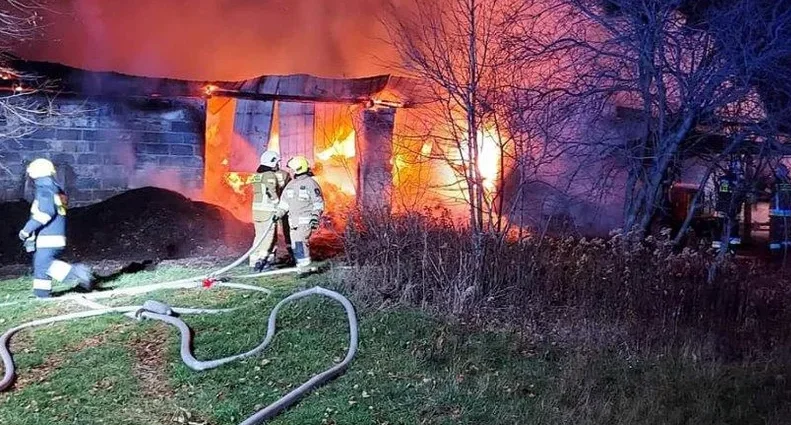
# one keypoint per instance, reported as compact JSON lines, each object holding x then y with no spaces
{"x":411,"y":369}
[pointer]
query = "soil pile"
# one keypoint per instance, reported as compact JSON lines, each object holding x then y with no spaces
{"x":141,"y":224}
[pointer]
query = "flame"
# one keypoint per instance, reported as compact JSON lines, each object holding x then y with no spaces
{"x":426,"y":149}
{"x":222,"y":185}
{"x":335,"y":164}
{"x":237,"y":181}
{"x":210,"y":89}
{"x":428,"y":172}
{"x":489,"y":154}
{"x":425,"y":172}
{"x":341,"y":147}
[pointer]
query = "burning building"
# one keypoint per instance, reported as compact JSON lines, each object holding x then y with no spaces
{"x":110,"y":132}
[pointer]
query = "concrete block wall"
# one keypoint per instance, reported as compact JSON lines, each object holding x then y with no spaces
{"x":105,"y":147}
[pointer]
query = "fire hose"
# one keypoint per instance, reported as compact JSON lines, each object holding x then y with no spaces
{"x":157,"y":311}
{"x":293,"y":396}
{"x":208,"y":280}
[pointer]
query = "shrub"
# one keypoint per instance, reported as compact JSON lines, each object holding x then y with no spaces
{"x":623,"y":289}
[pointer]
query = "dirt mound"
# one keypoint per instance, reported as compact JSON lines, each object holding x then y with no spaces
{"x":140,"y":224}
{"x":12,"y":218}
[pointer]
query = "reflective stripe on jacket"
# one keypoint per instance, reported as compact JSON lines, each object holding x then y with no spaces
{"x":48,"y":215}
{"x":302,"y":197}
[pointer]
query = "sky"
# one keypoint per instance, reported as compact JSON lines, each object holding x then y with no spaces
{"x":216,"y":39}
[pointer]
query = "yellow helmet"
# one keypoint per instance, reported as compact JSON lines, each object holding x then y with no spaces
{"x":299,"y":164}
{"x":40,"y":167}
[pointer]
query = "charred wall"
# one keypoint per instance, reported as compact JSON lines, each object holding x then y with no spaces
{"x":103,"y":147}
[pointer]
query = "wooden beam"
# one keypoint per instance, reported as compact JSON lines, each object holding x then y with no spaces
{"x":288,"y":98}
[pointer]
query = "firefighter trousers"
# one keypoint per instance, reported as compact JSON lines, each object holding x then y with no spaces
{"x":47,"y":267}
{"x":266,"y":250}
{"x":300,"y":244}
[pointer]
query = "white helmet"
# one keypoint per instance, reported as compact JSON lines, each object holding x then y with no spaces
{"x":40,"y":167}
{"x":270,"y":159}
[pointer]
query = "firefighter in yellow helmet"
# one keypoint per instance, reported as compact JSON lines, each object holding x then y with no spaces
{"x":44,"y":233}
{"x":303,"y":202}
{"x":268,"y":184}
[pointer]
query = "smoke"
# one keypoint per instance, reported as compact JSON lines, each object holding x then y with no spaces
{"x":217,"y":39}
{"x":163,"y":178}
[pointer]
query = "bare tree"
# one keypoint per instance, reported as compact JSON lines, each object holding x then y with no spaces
{"x":23,"y":109}
{"x":679,"y":74}
{"x":457,"y":47}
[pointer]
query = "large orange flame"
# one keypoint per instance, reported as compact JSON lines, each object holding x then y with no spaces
{"x":425,"y":171}
{"x":343,"y":148}
{"x":489,"y":154}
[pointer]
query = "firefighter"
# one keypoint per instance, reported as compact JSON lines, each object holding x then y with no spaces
{"x":780,"y":210}
{"x":268,"y":184}
{"x":728,"y":206}
{"x":44,"y":233}
{"x":303,"y":202}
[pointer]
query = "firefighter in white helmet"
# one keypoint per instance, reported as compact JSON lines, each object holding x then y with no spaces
{"x":268,"y":184}
{"x":303,"y":202}
{"x":45,"y":233}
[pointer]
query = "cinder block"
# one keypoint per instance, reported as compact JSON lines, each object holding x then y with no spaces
{"x":89,"y":159}
{"x":42,"y":134}
{"x":151,"y":148}
{"x":87,"y":183}
{"x":63,"y":134}
{"x":187,"y":127}
{"x":183,"y":150}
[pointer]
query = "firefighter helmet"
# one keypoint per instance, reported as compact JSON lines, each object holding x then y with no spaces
{"x":270,"y":159}
{"x":299,"y":164}
{"x":40,"y":167}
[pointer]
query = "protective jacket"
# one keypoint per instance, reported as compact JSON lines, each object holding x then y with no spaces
{"x":725,"y":190}
{"x":302,"y":200}
{"x":267,"y":189}
{"x":47,"y":221}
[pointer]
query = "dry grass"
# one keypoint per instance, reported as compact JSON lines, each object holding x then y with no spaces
{"x":623,"y":291}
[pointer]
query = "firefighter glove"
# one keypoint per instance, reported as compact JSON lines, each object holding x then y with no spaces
{"x":23,"y":235}
{"x":30,"y":245}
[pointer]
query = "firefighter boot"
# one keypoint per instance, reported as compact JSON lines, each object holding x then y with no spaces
{"x":83,"y":275}
{"x":262,"y":265}
{"x":42,"y":293}
{"x":290,"y":261}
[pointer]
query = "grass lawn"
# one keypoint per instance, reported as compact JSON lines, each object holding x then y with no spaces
{"x":411,"y":369}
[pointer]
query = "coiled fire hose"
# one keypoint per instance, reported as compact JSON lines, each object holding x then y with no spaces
{"x":293,"y":396}
{"x":157,"y":311}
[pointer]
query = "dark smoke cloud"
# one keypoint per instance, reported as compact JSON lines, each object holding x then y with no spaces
{"x":216,"y":39}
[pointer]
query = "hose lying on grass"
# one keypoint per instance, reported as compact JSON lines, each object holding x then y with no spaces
{"x":144,"y":312}
{"x":157,"y":311}
{"x":293,"y":396}
{"x":210,"y":279}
